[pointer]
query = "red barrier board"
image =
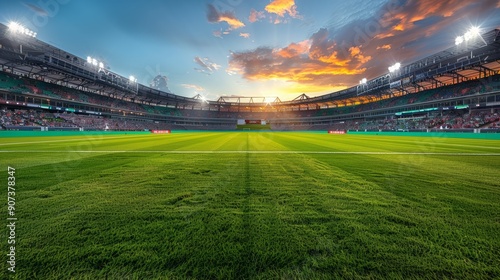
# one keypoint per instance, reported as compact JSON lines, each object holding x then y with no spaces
{"x":161,"y":131}
{"x":336,"y":132}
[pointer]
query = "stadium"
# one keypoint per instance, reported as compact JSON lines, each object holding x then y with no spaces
{"x":456,"y":89}
{"x":105,"y":177}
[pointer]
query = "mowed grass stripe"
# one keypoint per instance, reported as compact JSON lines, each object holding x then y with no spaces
{"x":94,"y":142}
{"x":402,"y":144}
{"x":262,"y":142}
{"x":236,"y":210}
{"x":250,"y":152}
{"x":61,"y":139}
{"x":433,"y":143}
{"x":127,"y":197}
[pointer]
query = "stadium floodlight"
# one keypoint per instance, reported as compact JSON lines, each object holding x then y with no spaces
{"x":468,"y":35}
{"x":19,"y":29}
{"x":14,"y":26}
{"x":132,"y":79}
{"x":472,"y":33}
{"x":395,"y":67}
{"x":363,"y":81}
{"x":475,"y":30}
{"x":94,"y":62}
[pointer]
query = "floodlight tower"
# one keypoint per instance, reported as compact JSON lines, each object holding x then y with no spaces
{"x":363,"y":86}
{"x":393,"y":71}
{"x":20,"y":32}
{"x":132,"y":81}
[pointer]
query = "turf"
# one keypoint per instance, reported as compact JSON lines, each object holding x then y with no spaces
{"x":253,"y":205}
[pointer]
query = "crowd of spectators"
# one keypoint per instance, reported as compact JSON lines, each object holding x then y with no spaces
{"x":452,"y":120}
{"x":458,"y":119}
{"x":16,"y":118}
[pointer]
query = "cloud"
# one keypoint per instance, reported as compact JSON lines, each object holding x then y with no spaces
{"x":217,"y":33}
{"x":358,"y":55}
{"x":384,"y":47}
{"x":400,"y":31}
{"x":194,"y":87}
{"x":37,"y":9}
{"x":215,"y":16}
{"x":282,"y":7}
{"x":310,"y":62}
{"x":206,"y":66}
{"x":276,"y":12}
{"x":245,"y":35}
{"x":295,"y":49}
{"x":220,"y":33}
{"x":256,"y":16}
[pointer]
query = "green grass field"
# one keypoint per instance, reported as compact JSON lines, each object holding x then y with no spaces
{"x":252,"y":205}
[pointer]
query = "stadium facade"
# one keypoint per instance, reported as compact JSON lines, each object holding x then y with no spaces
{"x":456,"y":89}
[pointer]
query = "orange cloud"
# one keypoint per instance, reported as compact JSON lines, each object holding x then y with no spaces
{"x":282,"y":7}
{"x":417,"y":28}
{"x":409,"y":16}
{"x":331,"y":58}
{"x":214,"y":16}
{"x":313,"y":62}
{"x":192,"y":86}
{"x":384,"y":47}
{"x":245,"y":35}
{"x":334,"y":60}
{"x":234,"y":23}
{"x":399,"y":27}
{"x":295,"y":49}
{"x":384,"y":35}
{"x":357,"y":54}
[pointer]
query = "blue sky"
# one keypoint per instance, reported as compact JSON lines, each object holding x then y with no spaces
{"x":252,"y":47}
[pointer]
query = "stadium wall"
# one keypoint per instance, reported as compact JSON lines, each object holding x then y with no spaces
{"x":11,"y":133}
{"x":491,"y":136}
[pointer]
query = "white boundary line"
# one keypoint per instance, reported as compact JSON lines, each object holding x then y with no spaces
{"x":256,"y":152}
{"x":83,"y":139}
{"x":433,"y":142}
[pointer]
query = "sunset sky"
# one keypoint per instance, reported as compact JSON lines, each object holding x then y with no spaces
{"x":274,"y":48}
